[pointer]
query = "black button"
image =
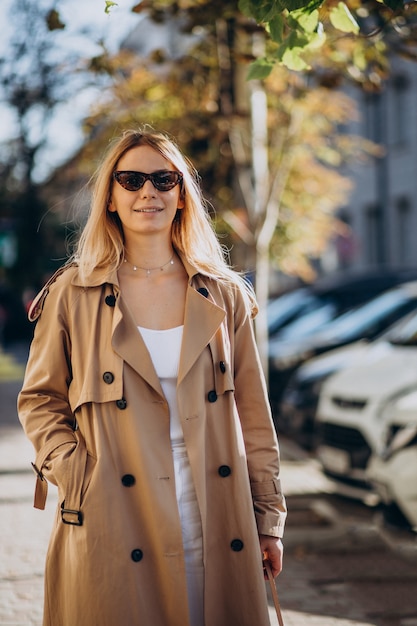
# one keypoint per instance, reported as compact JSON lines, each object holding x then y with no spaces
{"x":128,"y":480}
{"x":136,"y":555}
{"x":212,"y":396}
{"x":224,"y":471}
{"x":108,"y":378}
{"x":110,"y":300}
{"x":204,"y":292}
{"x":222,"y":367}
{"x":236,"y":545}
{"x":121,"y":404}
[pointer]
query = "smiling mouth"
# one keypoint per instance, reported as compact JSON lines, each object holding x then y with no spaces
{"x":150,"y":210}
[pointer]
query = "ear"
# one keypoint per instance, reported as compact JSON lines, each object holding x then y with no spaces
{"x":110,"y":206}
{"x":181,"y":202}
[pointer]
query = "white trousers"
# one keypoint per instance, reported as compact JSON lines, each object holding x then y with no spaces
{"x":191,"y":534}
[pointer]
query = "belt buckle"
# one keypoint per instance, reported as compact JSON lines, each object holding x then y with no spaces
{"x":78,"y":514}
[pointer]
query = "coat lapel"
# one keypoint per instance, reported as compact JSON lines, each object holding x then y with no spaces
{"x":202,"y":319}
{"x":128,"y":343}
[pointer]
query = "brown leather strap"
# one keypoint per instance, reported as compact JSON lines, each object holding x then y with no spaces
{"x":275,"y":598}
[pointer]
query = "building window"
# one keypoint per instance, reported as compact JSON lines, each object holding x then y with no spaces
{"x":405,"y":234}
{"x":370,"y":129}
{"x":400,"y":117}
{"x":375,"y":252}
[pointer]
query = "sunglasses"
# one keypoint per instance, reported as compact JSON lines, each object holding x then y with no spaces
{"x":163,"y":180}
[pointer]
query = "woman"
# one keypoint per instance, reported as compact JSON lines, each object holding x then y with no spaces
{"x":146,"y":405}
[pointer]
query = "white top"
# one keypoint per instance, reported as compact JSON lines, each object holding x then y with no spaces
{"x":164,"y":347}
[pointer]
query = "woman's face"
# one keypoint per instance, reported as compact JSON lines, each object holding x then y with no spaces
{"x":146,"y":210}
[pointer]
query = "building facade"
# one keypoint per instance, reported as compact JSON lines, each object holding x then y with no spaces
{"x":382,"y":211}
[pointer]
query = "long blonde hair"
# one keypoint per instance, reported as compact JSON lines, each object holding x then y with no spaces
{"x":101,"y":243}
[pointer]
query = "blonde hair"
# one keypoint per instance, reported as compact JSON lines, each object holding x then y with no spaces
{"x":101,"y":243}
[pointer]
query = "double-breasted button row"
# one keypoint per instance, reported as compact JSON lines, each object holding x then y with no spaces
{"x":108,"y":378}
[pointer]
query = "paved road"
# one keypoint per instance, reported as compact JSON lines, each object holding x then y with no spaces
{"x":340,"y":569}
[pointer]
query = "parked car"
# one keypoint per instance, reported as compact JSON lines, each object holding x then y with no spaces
{"x":393,"y":473}
{"x":298,"y":408}
{"x":356,"y":403}
{"x":365,"y":322}
{"x":335,"y":294}
{"x":290,"y":306}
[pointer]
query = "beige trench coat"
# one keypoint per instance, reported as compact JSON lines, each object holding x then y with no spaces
{"x":95,"y":412}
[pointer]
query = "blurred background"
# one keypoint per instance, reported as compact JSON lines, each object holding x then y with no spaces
{"x":300,"y":118}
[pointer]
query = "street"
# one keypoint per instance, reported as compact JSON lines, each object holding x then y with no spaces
{"x":340,"y":568}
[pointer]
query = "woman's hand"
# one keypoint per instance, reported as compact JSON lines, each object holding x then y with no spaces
{"x":272,"y":551}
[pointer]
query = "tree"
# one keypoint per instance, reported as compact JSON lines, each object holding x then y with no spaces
{"x":367,"y":31}
{"x":37,"y":74}
{"x":267,"y":151}
{"x":357,"y":35}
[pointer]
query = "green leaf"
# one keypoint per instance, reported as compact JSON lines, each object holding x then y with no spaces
{"x":306,"y":21}
{"x":109,"y":5}
{"x":343,"y":20}
{"x":296,"y":39}
{"x":293,"y":60}
{"x":276,"y":28}
{"x":259,"y":69}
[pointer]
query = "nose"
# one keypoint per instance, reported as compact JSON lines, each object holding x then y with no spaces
{"x":148,"y":190}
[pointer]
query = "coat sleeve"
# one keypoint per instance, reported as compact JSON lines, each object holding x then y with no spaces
{"x":43,"y":406}
{"x":258,"y":429}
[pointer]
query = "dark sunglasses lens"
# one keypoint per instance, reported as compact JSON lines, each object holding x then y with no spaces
{"x":132,"y":181}
{"x":164,"y":181}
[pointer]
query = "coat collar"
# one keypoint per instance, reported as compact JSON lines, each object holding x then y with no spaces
{"x":202,"y":319}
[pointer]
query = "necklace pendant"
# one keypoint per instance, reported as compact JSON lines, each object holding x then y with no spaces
{"x":148,"y":273}
{"x":135,"y":268}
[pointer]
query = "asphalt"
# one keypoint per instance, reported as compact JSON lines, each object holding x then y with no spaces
{"x":341,"y":568}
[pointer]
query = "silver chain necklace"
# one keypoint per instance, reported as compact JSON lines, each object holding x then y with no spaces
{"x":148,"y":270}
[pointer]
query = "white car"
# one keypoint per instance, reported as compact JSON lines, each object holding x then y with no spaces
{"x":356,"y":403}
{"x":393,"y":473}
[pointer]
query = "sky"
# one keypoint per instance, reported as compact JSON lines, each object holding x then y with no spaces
{"x":79,"y":16}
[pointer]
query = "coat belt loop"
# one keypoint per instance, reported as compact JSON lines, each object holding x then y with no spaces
{"x":71,"y":506}
{"x":41,"y":489}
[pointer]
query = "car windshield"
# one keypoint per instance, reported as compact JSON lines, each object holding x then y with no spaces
{"x":383,"y":309}
{"x":308,"y":323}
{"x":287,"y":307}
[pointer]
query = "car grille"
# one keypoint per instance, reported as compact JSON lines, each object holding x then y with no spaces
{"x":346,"y":403}
{"x":348,"y":439}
